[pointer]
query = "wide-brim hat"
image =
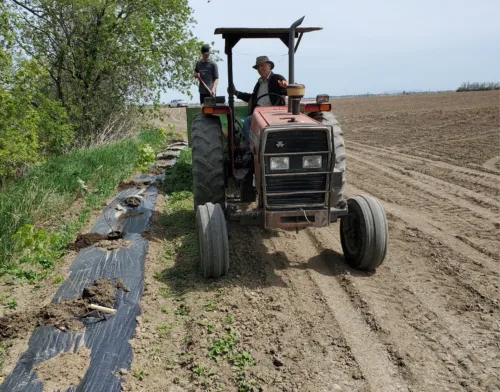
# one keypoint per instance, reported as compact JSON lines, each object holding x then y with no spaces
{"x":262,"y":59}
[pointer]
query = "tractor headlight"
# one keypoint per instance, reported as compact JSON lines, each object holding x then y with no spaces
{"x":280,"y":163}
{"x":312,"y":162}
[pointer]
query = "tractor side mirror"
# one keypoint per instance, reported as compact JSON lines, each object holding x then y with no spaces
{"x":322,"y":98}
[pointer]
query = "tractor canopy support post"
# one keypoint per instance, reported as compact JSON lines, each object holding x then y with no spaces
{"x":230,"y":42}
{"x":291,"y":56}
{"x":230,"y":77}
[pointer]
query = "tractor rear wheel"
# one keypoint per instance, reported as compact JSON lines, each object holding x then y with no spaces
{"x":213,"y":243}
{"x":328,"y":118}
{"x":208,"y":161}
{"x":363,"y":233}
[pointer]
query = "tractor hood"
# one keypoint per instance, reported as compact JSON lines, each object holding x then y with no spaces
{"x":279,"y":116}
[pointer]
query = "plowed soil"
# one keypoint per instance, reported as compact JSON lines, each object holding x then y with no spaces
{"x":426,"y":320}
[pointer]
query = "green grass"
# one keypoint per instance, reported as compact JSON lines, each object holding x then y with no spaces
{"x":180,"y":177}
{"x":52,"y":187}
{"x":180,"y":251}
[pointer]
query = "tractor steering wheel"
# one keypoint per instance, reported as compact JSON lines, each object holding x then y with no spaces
{"x":267,"y":94}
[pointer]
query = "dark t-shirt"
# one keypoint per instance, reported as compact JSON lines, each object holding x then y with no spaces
{"x":209,"y":72}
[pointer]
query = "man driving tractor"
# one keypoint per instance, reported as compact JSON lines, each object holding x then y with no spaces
{"x":268,"y":83}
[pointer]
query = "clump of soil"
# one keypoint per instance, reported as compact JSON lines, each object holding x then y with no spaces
{"x":113,"y":245}
{"x":156,"y":171}
{"x":89,"y":239}
{"x":86,"y":240}
{"x":127,"y":185}
{"x":67,"y":314}
{"x":130,"y":214}
{"x":64,"y":315}
{"x":132,"y":201}
{"x":14,"y":325}
{"x":168,"y":155}
{"x":121,"y":285}
{"x":64,"y":371}
{"x":102,"y":292}
{"x":147,"y":235}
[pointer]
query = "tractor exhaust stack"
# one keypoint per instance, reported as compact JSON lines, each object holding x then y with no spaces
{"x":291,"y":50}
{"x":295,"y":93}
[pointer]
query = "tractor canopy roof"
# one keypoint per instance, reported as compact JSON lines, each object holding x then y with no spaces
{"x":233,"y":34}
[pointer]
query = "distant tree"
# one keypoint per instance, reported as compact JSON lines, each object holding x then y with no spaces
{"x":467,"y":86}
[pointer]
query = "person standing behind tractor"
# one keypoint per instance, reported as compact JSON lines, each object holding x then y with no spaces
{"x":268,"y":83}
{"x":208,"y":72}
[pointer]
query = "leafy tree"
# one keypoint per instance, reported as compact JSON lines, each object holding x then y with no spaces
{"x":30,"y":124}
{"x":105,"y":56}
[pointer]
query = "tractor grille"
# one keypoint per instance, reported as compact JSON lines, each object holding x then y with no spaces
{"x":314,"y":182}
{"x":308,"y":186}
{"x":297,"y":141}
{"x":285,"y":184}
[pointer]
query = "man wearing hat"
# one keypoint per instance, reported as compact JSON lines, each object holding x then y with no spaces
{"x":268,"y":83}
{"x":207,"y":70}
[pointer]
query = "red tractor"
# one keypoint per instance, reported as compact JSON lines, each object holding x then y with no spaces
{"x":296,"y":179}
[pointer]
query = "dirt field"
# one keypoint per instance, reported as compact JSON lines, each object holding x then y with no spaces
{"x":426,"y":320}
{"x":292,"y":316}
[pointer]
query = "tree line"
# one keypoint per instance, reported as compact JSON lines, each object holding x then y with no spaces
{"x":467,"y":86}
{"x":74,"y":73}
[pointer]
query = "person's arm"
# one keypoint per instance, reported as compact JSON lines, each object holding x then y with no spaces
{"x":196,"y":70}
{"x":240,"y":95}
{"x":282,"y":84}
{"x":243,"y":96}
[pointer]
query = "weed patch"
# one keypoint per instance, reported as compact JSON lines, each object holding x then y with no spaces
{"x":226,"y":348}
{"x":180,"y":177}
{"x":164,"y":330}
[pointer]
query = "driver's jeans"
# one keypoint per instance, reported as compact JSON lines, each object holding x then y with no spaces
{"x":247,"y":124}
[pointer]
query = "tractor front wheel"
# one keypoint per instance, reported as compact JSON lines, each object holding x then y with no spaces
{"x":363,"y":233}
{"x":213,"y":243}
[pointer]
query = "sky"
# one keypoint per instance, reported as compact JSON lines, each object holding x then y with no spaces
{"x":364,"y":47}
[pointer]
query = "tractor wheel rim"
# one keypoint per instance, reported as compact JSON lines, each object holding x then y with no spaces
{"x":352,"y":233}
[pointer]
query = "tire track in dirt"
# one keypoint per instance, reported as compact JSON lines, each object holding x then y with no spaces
{"x":491,"y":164}
{"x":295,"y":324}
{"x":432,"y":187}
{"x":474,"y":225}
{"x":477,"y":183}
{"x":433,"y":207}
{"x":481,"y":177}
{"x":442,"y":349}
{"x":468,"y":264}
{"x":423,"y":174}
{"x":483,"y":135}
{"x":379,"y":362}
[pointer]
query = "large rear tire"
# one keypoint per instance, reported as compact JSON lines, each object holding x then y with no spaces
{"x":208,"y":161}
{"x":363,"y":233}
{"x":328,"y":118}
{"x":213,"y":243}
